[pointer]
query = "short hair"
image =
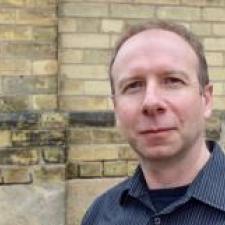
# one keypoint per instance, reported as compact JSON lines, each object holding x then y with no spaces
{"x":178,"y":29}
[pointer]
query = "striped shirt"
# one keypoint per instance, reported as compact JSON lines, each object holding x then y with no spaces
{"x":129,"y":203}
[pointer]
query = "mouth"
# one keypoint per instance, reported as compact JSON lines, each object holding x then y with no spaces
{"x":157,"y":130}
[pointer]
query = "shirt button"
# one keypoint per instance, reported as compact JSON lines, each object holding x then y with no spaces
{"x":157,"y":221}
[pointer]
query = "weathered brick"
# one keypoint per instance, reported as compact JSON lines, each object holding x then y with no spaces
{"x":219,"y":89}
{"x":214,"y":44}
{"x":16,"y":175}
{"x":5,"y":138}
{"x":217,"y":73}
{"x":86,"y":25}
{"x":219,"y":103}
{"x":53,"y":119}
{"x":45,"y":67}
{"x":93,"y":152}
{"x":115,"y":169}
{"x":54,"y":154}
{"x":72,"y":87}
{"x":96,"y":56}
{"x":43,"y":102}
{"x":159,"y":2}
{"x":77,"y":103}
{"x":113,"y":40}
{"x":67,"y":25}
{"x":201,"y":28}
{"x":7,"y":16}
{"x":14,"y":104}
{"x":103,"y":88}
{"x":12,"y":3}
{"x":83,"y":9}
{"x":112,"y":25}
{"x":82,"y":40}
{"x":44,"y":34}
{"x":203,"y":2}
{"x":72,"y":170}
{"x":71,"y":56}
{"x":45,"y":174}
{"x":179,"y":13}
{"x":213,"y":127}
{"x":126,"y":152}
{"x":131,"y":11}
{"x":219,"y":29}
{"x":214,"y":58}
{"x":132,"y":165}
{"x":213,"y":14}
{"x":80,"y":136}
{"x":90,"y":169}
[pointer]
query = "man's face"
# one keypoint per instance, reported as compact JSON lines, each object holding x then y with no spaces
{"x":158,"y":102}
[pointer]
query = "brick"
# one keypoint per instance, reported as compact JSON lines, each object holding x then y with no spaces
{"x":45,"y":34}
{"x":45,"y":67}
{"x":72,"y":87}
{"x":43,"y":102}
{"x":7,"y":16}
{"x":97,"y":88}
{"x":213,"y":14}
{"x":53,"y":119}
{"x":77,"y":103}
{"x":214,"y":44}
{"x":53,"y":155}
{"x":72,"y":170}
{"x":179,"y":13}
{"x":132,"y":165}
{"x":126,"y":152}
{"x":5,"y":138}
{"x":12,"y":33}
{"x":92,"y":152}
{"x":115,"y":169}
{"x":96,"y":56}
{"x":218,"y":29}
{"x":45,"y":174}
{"x":112,"y":25}
{"x":213,"y":127}
{"x":82,"y":40}
{"x":16,"y":175}
{"x":86,"y":25}
{"x":113,"y":40}
{"x":159,"y":2}
{"x":216,"y":73}
{"x":84,"y":71}
{"x":80,"y":136}
{"x":29,"y":85}
{"x":214,"y":58}
{"x":131,"y":11}
{"x":219,"y":89}
{"x":12,"y":3}
{"x":45,"y":3}
{"x":83,"y":9}
{"x":201,"y":28}
{"x":36,"y":16}
{"x":14,"y":104}
{"x":90,"y":169}
{"x":219,"y":103}
{"x":71,"y":56}
{"x":67,"y":25}
{"x":203,"y":2}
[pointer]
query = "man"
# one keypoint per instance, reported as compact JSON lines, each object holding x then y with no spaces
{"x":162,"y":97}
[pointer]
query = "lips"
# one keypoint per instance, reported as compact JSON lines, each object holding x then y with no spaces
{"x":157,"y":130}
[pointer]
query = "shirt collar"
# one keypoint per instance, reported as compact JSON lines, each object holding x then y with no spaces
{"x":208,"y":187}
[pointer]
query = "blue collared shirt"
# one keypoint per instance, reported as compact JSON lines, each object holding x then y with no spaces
{"x":129,"y":204}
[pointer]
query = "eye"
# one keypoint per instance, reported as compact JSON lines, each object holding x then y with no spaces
{"x":173,"y":82}
{"x":134,"y":86}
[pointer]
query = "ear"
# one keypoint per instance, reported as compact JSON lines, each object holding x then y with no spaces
{"x":208,"y":100}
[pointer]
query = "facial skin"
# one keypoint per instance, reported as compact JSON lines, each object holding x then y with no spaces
{"x":159,"y":105}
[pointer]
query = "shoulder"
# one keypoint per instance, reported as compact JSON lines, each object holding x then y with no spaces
{"x":107,"y":202}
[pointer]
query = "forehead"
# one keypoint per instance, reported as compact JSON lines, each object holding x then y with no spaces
{"x":153,"y":43}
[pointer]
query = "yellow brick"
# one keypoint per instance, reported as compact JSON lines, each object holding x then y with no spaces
{"x":45,"y":67}
{"x":12,"y":2}
{"x":218,"y":89}
{"x":79,"y":40}
{"x":214,"y":14}
{"x":117,"y":168}
{"x":219,"y":103}
{"x":203,"y":2}
{"x":84,"y":71}
{"x":67,"y":25}
{"x":159,"y":2}
{"x":179,"y":13}
{"x":132,"y":11}
{"x":112,"y":25}
{"x":132,"y":165}
{"x":90,"y":169}
{"x":214,"y":44}
{"x":201,"y":28}
{"x":43,"y":102}
{"x":93,"y":56}
{"x":97,"y":88}
{"x":113,"y":40}
{"x":71,"y":56}
{"x":110,"y":105}
{"x":126,"y":152}
{"x":7,"y":16}
{"x":217,"y":73}
{"x":214,"y":58}
{"x":72,"y":87}
{"x":87,"y":25}
{"x":83,"y":103}
{"x":219,"y":29}
{"x":5,"y":138}
{"x":92,"y":152}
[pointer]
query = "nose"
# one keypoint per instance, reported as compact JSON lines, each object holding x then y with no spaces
{"x":153,"y":102}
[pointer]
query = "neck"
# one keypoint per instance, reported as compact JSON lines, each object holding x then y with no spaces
{"x":175,"y":172}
